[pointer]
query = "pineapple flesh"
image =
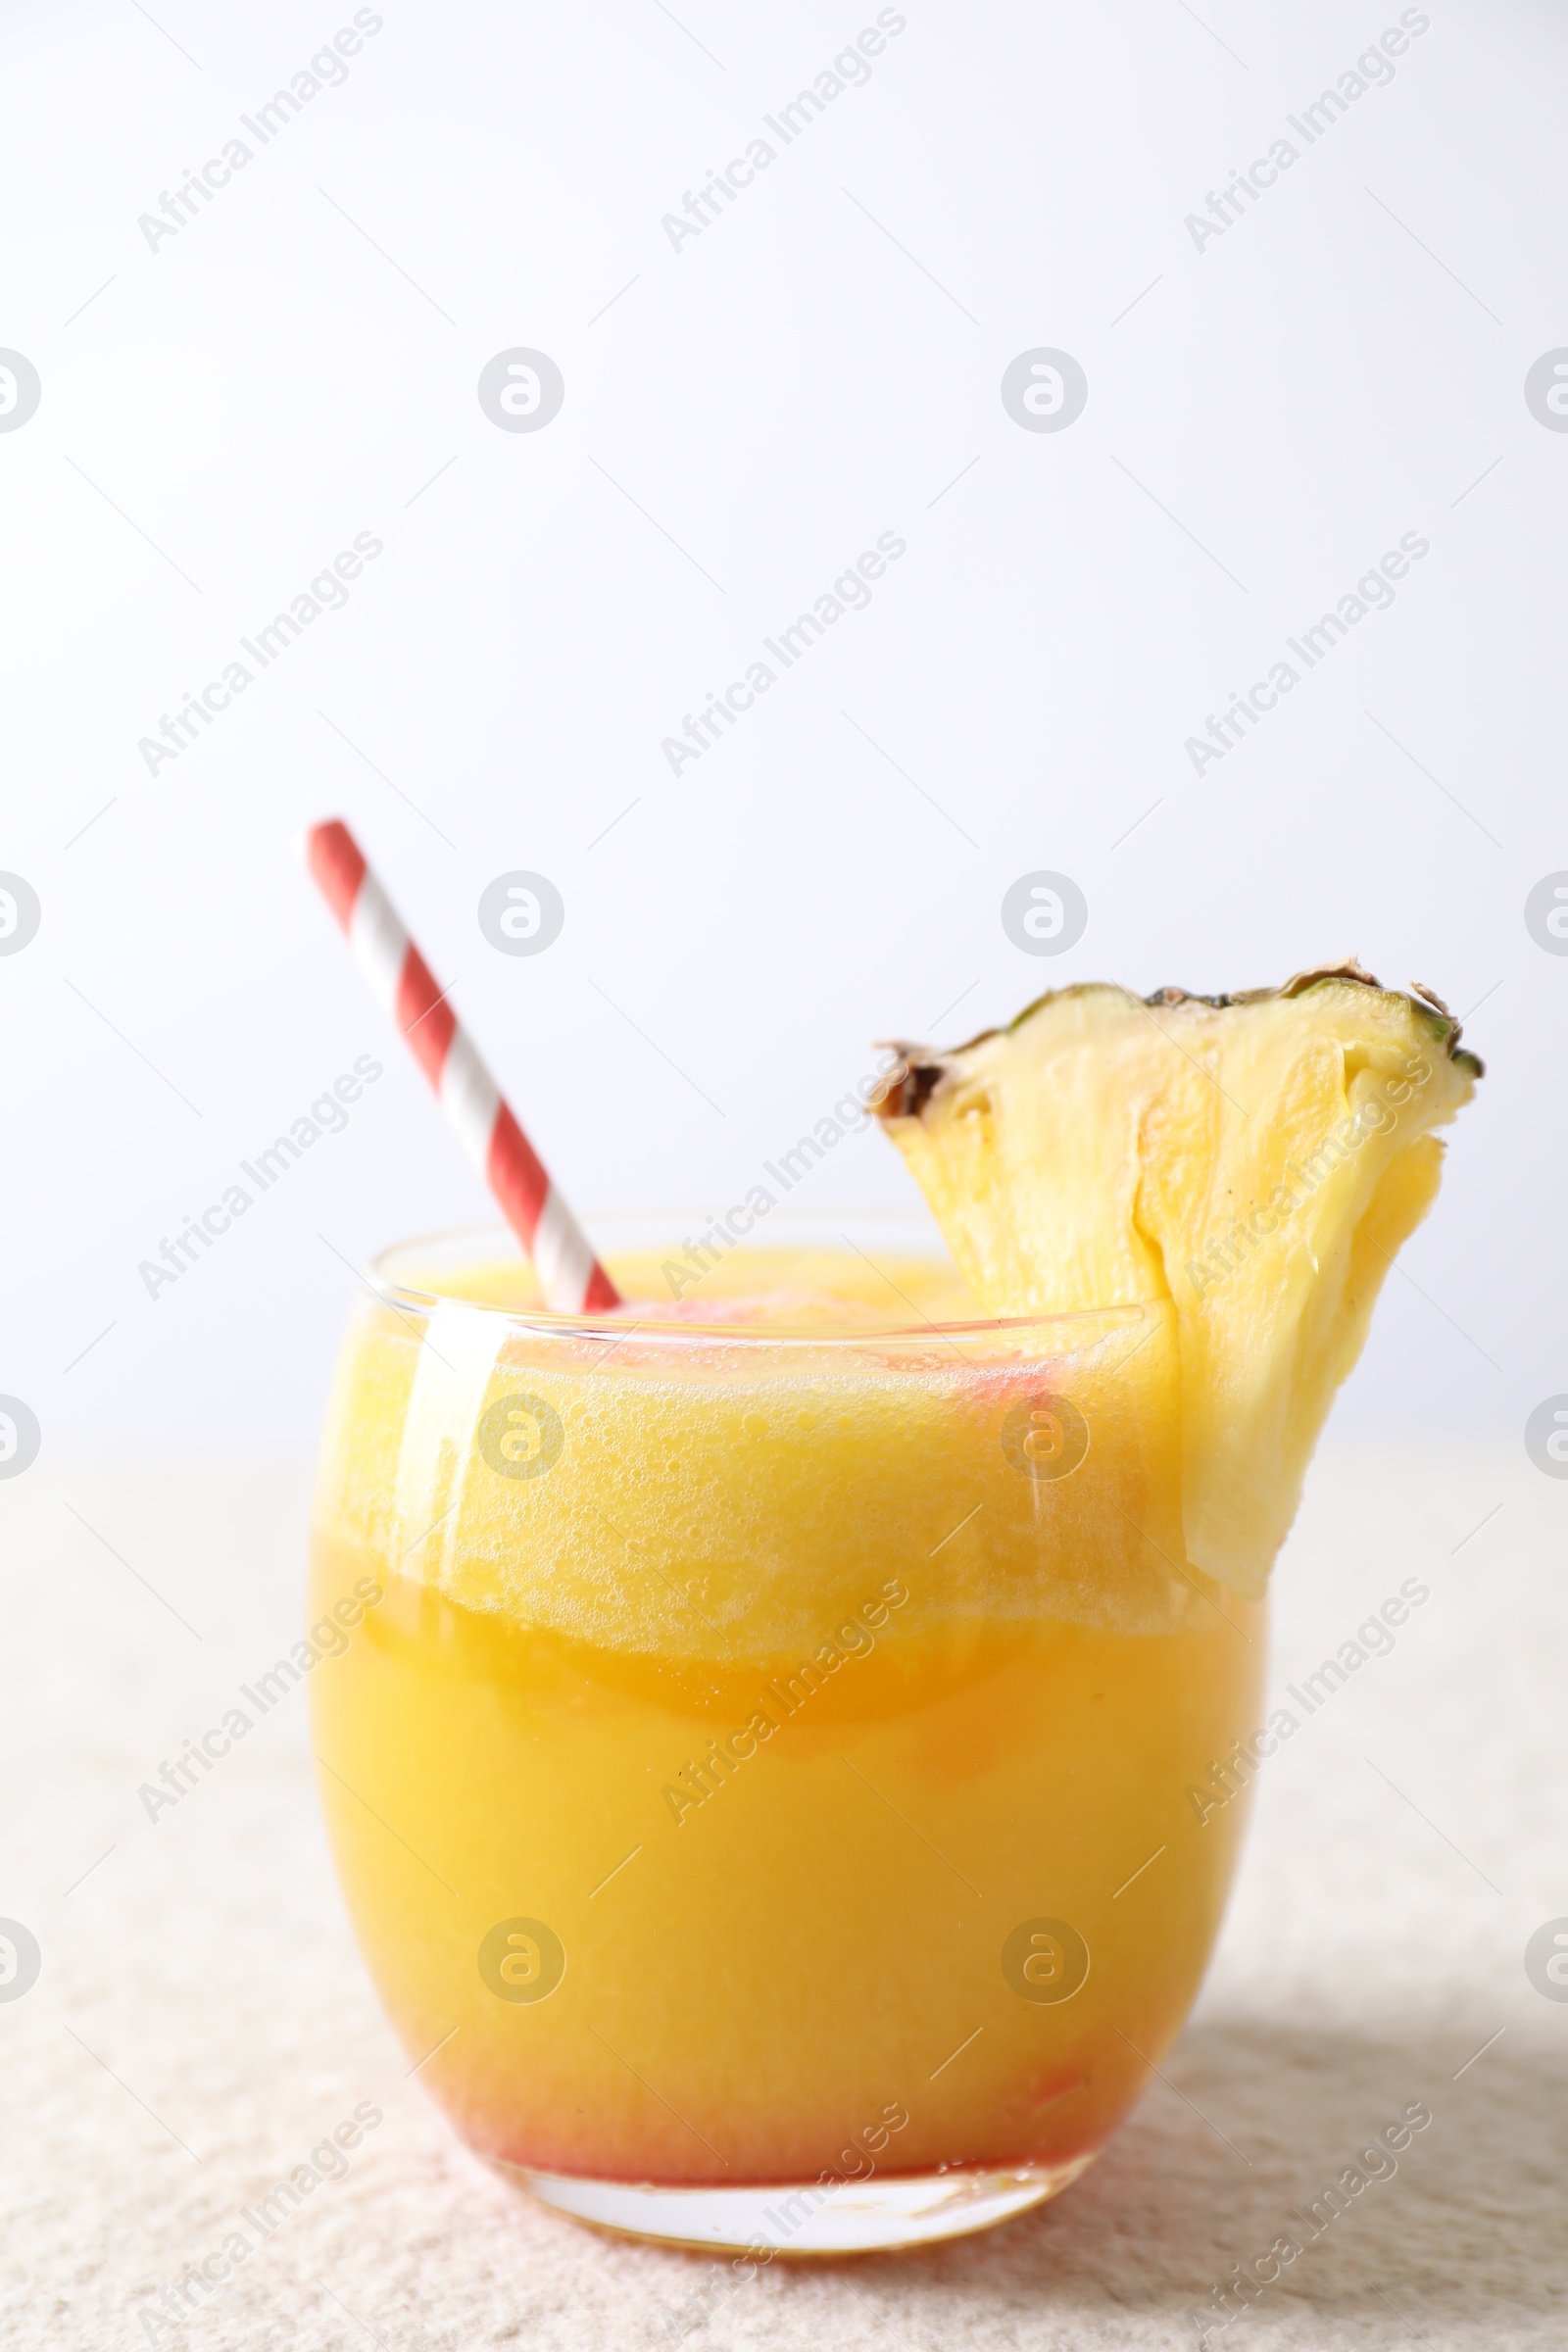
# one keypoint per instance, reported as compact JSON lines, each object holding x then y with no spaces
{"x":1257,"y":1159}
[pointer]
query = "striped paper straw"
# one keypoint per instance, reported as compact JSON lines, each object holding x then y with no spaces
{"x":572,"y":1278}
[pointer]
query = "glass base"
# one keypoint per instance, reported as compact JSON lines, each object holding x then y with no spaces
{"x":857,"y":2217}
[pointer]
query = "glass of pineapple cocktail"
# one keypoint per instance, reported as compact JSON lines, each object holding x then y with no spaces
{"x":760,"y":1775}
{"x":760,"y":1779}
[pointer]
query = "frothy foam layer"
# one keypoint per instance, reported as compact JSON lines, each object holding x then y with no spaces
{"x":721,"y":1498}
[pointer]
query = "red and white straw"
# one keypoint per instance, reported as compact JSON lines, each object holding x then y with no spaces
{"x":571,"y":1276}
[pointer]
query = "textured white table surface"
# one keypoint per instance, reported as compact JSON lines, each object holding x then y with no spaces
{"x":201,"y":2019}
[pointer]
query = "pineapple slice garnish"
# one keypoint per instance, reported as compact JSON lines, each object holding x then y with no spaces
{"x":1258,"y":1159}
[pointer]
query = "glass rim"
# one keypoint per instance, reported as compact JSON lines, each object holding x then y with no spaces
{"x":405,"y":1296}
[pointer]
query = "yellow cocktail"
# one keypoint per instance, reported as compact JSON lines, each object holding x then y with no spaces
{"x":760,"y":1780}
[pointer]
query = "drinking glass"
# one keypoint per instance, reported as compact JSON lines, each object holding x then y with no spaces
{"x":756,"y":1754}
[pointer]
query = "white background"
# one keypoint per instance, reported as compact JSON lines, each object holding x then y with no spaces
{"x":299,"y":365}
